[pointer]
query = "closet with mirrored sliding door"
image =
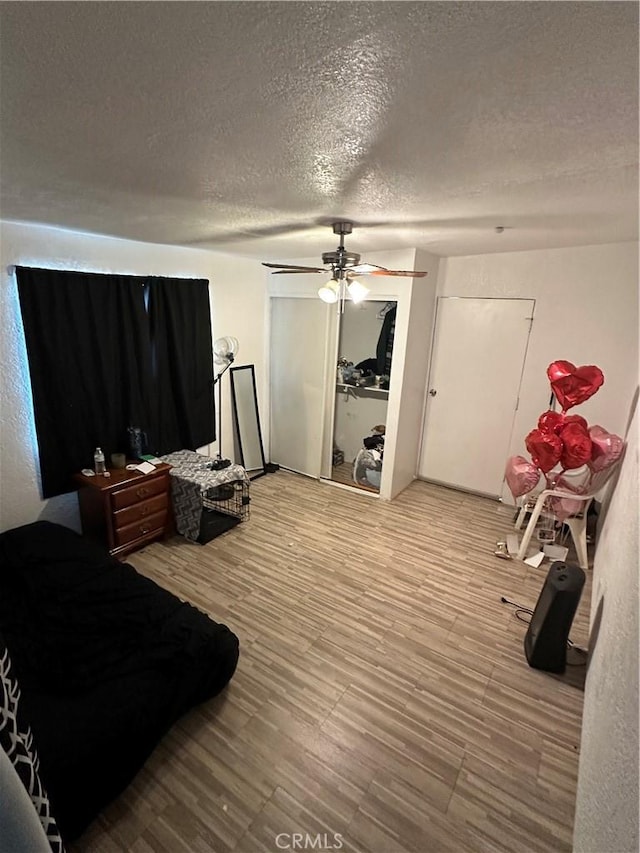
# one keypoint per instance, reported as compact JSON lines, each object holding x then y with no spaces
{"x":348,"y":381}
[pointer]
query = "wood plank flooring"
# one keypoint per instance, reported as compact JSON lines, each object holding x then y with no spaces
{"x":382,"y":702}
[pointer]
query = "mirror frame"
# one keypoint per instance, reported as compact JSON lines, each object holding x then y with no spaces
{"x":233,"y":372}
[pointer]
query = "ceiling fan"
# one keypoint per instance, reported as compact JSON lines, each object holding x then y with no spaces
{"x":343,"y":266}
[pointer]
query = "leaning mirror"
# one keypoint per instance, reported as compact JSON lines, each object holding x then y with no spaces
{"x":247,"y":419}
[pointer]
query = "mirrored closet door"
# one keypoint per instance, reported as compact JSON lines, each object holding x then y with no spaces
{"x":363,"y":368}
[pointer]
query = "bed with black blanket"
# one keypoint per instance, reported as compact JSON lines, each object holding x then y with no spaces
{"x":106,"y":661}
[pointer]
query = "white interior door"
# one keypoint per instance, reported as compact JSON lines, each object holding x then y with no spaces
{"x":297,"y":383}
{"x":478,"y":357}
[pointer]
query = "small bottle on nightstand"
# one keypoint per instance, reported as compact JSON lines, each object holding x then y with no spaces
{"x":98,"y":461}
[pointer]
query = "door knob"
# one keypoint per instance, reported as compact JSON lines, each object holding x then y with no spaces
{"x":433,"y":392}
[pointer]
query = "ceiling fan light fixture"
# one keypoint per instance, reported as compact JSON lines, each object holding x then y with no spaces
{"x":357,"y":291}
{"x":330,"y":291}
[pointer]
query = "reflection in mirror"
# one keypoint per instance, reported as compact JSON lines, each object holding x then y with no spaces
{"x":247,"y":419}
{"x":362,"y":390}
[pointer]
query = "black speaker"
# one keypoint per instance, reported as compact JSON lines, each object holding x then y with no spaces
{"x":545,"y":643}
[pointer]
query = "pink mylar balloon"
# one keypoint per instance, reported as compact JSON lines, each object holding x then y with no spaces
{"x":576,"y":445}
{"x":564,"y":507}
{"x":573,"y":385}
{"x":606,"y":448}
{"x":521,"y":475}
{"x":545,"y":448}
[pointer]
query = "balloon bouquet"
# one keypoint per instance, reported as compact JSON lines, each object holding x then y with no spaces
{"x":562,"y":443}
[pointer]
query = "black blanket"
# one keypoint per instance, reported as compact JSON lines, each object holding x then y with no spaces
{"x":106,"y":660}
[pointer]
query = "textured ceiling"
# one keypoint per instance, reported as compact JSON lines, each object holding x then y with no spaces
{"x":247,"y":126}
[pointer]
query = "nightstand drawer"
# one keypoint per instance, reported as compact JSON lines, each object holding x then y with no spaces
{"x":148,"y":525}
{"x":140,"y":511}
{"x":139,"y":492}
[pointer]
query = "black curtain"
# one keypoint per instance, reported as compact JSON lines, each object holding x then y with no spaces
{"x":88,"y":347}
{"x":180,"y":319}
{"x":111,"y":351}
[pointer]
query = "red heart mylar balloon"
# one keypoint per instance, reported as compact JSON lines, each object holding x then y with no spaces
{"x":555,"y":422}
{"x":521,"y":475}
{"x":605,"y":450}
{"x":545,"y":448}
{"x":576,"y":445}
{"x":573,"y":385}
{"x":551,"y":421}
{"x":574,"y":419}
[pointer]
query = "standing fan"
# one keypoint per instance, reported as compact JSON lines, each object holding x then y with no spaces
{"x":224,"y":352}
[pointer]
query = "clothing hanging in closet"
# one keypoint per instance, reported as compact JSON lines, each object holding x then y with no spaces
{"x":384,"y":349}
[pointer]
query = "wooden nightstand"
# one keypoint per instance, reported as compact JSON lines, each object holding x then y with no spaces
{"x":126,"y":510}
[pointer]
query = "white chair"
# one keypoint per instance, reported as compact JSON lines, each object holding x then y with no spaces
{"x":576,"y":522}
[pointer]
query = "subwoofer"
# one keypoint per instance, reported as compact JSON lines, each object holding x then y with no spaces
{"x":545,"y":643}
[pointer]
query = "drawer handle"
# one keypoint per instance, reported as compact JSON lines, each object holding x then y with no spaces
{"x":144,"y":530}
{"x":142,"y":492}
{"x":144,"y":510}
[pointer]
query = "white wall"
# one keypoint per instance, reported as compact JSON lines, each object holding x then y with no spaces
{"x":607,"y":797}
{"x":415,"y":371}
{"x":238,"y":308}
{"x":586,"y":313}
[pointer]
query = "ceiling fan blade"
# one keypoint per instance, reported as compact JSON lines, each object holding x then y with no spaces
{"x":293,"y":268}
{"x":364,"y":268}
{"x":383,"y":271}
{"x":301,"y":271}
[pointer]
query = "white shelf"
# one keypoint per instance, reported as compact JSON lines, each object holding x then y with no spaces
{"x":365,"y":390}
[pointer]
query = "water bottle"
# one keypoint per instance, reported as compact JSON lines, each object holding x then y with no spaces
{"x":98,"y":461}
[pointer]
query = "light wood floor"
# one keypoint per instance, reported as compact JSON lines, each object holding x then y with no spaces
{"x":382,"y":701}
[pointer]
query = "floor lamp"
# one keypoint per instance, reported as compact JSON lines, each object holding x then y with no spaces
{"x":224,"y":352}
